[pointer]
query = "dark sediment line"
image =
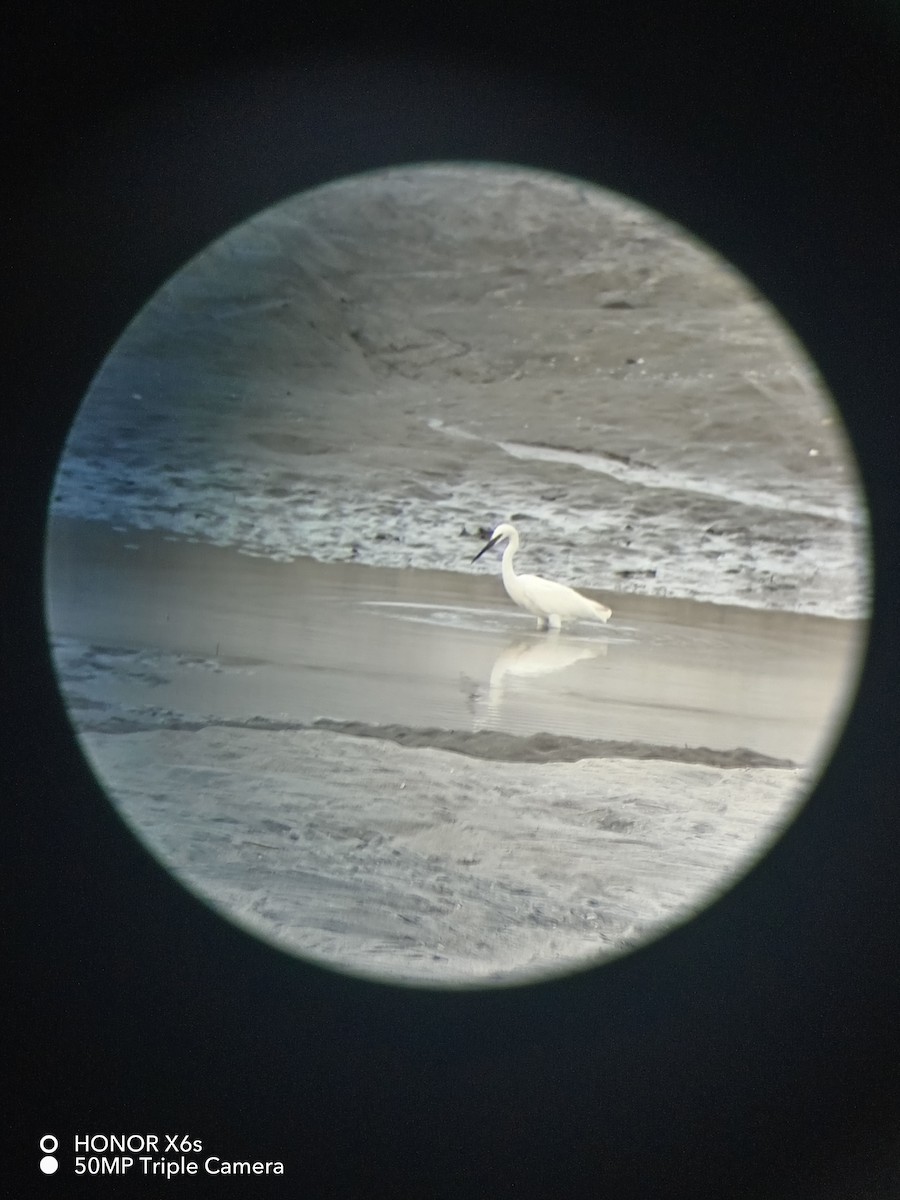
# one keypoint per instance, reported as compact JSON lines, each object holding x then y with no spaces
{"x":548,"y":747}
{"x":486,"y":744}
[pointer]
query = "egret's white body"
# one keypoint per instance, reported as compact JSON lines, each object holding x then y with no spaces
{"x":552,"y":603}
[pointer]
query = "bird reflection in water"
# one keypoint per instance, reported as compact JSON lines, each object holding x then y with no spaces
{"x":529,"y":659}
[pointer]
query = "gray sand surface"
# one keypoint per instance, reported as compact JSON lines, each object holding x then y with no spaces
{"x":425,"y":865}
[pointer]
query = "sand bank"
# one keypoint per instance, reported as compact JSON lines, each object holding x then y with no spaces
{"x":426,"y":865}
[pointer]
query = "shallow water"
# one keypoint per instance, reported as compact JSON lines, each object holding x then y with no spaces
{"x":302,"y":641}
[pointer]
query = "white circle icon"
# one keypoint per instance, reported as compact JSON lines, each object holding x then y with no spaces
{"x":49,"y":1164}
{"x":49,"y":1143}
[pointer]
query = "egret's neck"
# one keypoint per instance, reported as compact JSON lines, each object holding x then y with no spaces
{"x":510,"y":579}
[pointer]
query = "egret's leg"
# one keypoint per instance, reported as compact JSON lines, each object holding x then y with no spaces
{"x":543,"y":622}
{"x":554,"y":621}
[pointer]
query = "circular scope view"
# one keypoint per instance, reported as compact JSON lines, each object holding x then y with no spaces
{"x":456,"y":575}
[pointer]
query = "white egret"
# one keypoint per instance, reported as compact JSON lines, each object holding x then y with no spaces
{"x":550,"y":602}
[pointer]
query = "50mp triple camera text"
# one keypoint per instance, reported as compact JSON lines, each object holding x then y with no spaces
{"x":149,"y":1154}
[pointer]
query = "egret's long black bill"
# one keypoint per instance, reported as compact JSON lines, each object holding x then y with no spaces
{"x":484,"y":549}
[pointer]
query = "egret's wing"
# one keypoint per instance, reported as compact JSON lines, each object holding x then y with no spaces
{"x":551,"y":597}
